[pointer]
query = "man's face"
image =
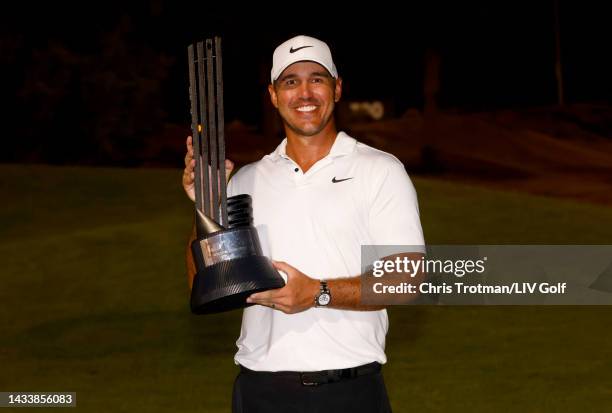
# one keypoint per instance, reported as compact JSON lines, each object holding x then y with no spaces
{"x":305,"y":96}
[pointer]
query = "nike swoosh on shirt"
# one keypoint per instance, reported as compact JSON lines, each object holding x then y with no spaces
{"x":292,"y":50}
{"x":334,"y":180}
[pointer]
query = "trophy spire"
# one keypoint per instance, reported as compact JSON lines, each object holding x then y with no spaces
{"x":229,"y":260}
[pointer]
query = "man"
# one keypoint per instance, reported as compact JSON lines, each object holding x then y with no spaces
{"x":312,"y":345}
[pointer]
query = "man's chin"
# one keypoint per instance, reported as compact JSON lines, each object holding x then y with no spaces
{"x":306,"y":128}
{"x":305,"y":131}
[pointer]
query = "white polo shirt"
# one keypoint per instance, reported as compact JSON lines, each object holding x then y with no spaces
{"x":318,"y":226}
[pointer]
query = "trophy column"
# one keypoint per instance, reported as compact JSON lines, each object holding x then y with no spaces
{"x":227,"y":253}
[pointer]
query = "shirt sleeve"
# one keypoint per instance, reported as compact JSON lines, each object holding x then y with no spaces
{"x":394,"y":212}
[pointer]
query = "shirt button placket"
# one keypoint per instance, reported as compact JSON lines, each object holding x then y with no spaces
{"x":298,"y":175}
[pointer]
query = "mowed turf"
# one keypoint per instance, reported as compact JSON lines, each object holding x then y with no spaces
{"x":94,"y":300}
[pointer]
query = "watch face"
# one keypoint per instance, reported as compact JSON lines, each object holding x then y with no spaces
{"x":324,"y":299}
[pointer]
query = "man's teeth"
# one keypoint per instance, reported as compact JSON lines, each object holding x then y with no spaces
{"x":306,"y":108}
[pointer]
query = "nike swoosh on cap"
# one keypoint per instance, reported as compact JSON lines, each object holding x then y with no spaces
{"x":292,"y":50}
{"x":334,"y":180}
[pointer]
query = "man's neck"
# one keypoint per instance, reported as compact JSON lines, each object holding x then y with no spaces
{"x":307,"y":150}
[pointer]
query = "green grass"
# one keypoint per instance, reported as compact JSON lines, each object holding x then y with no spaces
{"x":94,"y":300}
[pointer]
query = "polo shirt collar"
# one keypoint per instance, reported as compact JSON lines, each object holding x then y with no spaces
{"x":343,"y":145}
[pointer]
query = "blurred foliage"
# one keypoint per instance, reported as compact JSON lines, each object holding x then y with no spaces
{"x":88,"y":107}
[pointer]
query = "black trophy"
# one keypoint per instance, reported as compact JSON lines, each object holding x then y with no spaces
{"x":227,"y":253}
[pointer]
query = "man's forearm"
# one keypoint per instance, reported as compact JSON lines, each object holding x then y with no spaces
{"x":346,"y":295}
{"x":300,"y":291}
{"x":191,"y":268}
{"x":346,"y":292}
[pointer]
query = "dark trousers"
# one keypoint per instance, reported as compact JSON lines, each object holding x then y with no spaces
{"x":277,"y":393}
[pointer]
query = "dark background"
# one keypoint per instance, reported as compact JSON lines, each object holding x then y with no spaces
{"x":101,"y":82}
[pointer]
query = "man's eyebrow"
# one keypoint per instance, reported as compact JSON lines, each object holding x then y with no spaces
{"x":320,"y":74}
{"x":288,"y":76}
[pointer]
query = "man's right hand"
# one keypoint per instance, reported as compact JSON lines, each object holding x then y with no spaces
{"x":188,"y":172}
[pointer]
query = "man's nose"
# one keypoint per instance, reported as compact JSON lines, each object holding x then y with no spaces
{"x":305,"y":90}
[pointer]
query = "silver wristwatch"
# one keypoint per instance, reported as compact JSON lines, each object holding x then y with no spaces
{"x":324,"y":297}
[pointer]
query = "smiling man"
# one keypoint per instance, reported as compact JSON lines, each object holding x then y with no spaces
{"x":312,"y":345}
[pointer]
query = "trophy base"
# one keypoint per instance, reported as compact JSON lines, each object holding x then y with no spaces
{"x":226,"y":285}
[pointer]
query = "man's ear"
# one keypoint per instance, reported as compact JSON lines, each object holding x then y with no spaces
{"x":338,"y":90}
{"x":273,"y":97}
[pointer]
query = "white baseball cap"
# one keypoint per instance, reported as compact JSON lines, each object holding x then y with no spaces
{"x":299,"y":49}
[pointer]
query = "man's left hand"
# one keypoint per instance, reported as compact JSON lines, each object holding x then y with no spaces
{"x":296,"y":296}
